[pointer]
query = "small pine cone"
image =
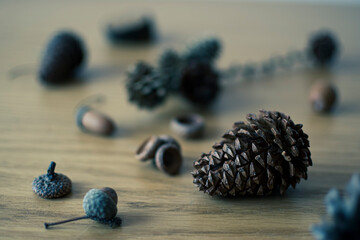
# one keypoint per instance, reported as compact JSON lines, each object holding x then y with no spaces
{"x":269,"y":152}
{"x":344,"y":214}
{"x":170,"y":66}
{"x":146,"y":87}
{"x":323,"y":47}
{"x":206,"y":50}
{"x":199,"y":83}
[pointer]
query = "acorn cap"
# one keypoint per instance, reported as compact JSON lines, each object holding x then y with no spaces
{"x":168,"y":139}
{"x":148,"y":148}
{"x":51,"y":185}
{"x":79,"y":116}
{"x":98,"y":205}
{"x":168,"y":159}
{"x":188,"y":126}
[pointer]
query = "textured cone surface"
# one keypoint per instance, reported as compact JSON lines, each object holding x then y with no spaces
{"x":64,"y":54}
{"x":170,"y":65}
{"x":199,"y":83}
{"x":99,"y":205}
{"x":255,"y":158}
{"x":205,"y":50}
{"x":146,"y":87}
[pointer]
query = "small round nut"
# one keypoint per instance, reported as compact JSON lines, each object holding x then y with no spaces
{"x":188,"y":126}
{"x":168,"y":159}
{"x":148,"y":148}
{"x":323,"y":96}
{"x":99,"y":206}
{"x":92,"y":121}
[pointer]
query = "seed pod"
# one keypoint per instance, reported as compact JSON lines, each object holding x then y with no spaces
{"x":99,"y":205}
{"x":168,"y":159}
{"x":64,"y":54}
{"x":92,"y":121}
{"x":188,"y":126}
{"x":323,"y":96}
{"x":51,"y":185}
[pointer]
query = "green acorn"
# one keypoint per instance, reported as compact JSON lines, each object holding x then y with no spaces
{"x":99,"y":205}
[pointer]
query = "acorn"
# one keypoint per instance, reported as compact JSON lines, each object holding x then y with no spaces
{"x":63,"y":56}
{"x":323,"y":96}
{"x":99,"y":205}
{"x":91,"y":121}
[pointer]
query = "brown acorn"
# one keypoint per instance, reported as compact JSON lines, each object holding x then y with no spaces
{"x":255,"y":158}
{"x":323,"y":96}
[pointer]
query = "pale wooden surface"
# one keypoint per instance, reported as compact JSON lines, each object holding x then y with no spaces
{"x":37,"y":124}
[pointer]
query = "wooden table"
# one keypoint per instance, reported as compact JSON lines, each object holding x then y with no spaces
{"x":37,"y":124}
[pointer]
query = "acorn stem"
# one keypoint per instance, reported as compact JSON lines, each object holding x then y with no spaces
{"x":65,"y":221}
{"x":51,"y":170}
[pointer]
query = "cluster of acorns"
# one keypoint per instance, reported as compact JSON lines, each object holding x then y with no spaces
{"x":98,"y":204}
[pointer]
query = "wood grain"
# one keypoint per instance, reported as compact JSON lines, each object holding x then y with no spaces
{"x":37,"y":124}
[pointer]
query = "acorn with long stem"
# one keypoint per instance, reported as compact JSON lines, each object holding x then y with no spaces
{"x":99,"y":205}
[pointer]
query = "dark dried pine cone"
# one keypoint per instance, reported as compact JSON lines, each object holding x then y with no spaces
{"x":146,"y":87}
{"x":205,"y":50}
{"x":323,"y":47}
{"x":255,"y":158}
{"x":199,"y":83}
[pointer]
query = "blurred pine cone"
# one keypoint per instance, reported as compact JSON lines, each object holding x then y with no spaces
{"x":255,"y":158}
{"x":323,"y":47}
{"x":199,"y":83}
{"x":170,"y":66}
{"x":344,"y":213}
{"x":206,"y":50}
{"x":146,"y":87}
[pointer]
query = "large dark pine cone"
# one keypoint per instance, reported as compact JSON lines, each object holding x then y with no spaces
{"x":146,"y":87}
{"x":255,"y":158}
{"x":323,"y":47}
{"x":199,"y":83}
{"x":63,"y":56}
